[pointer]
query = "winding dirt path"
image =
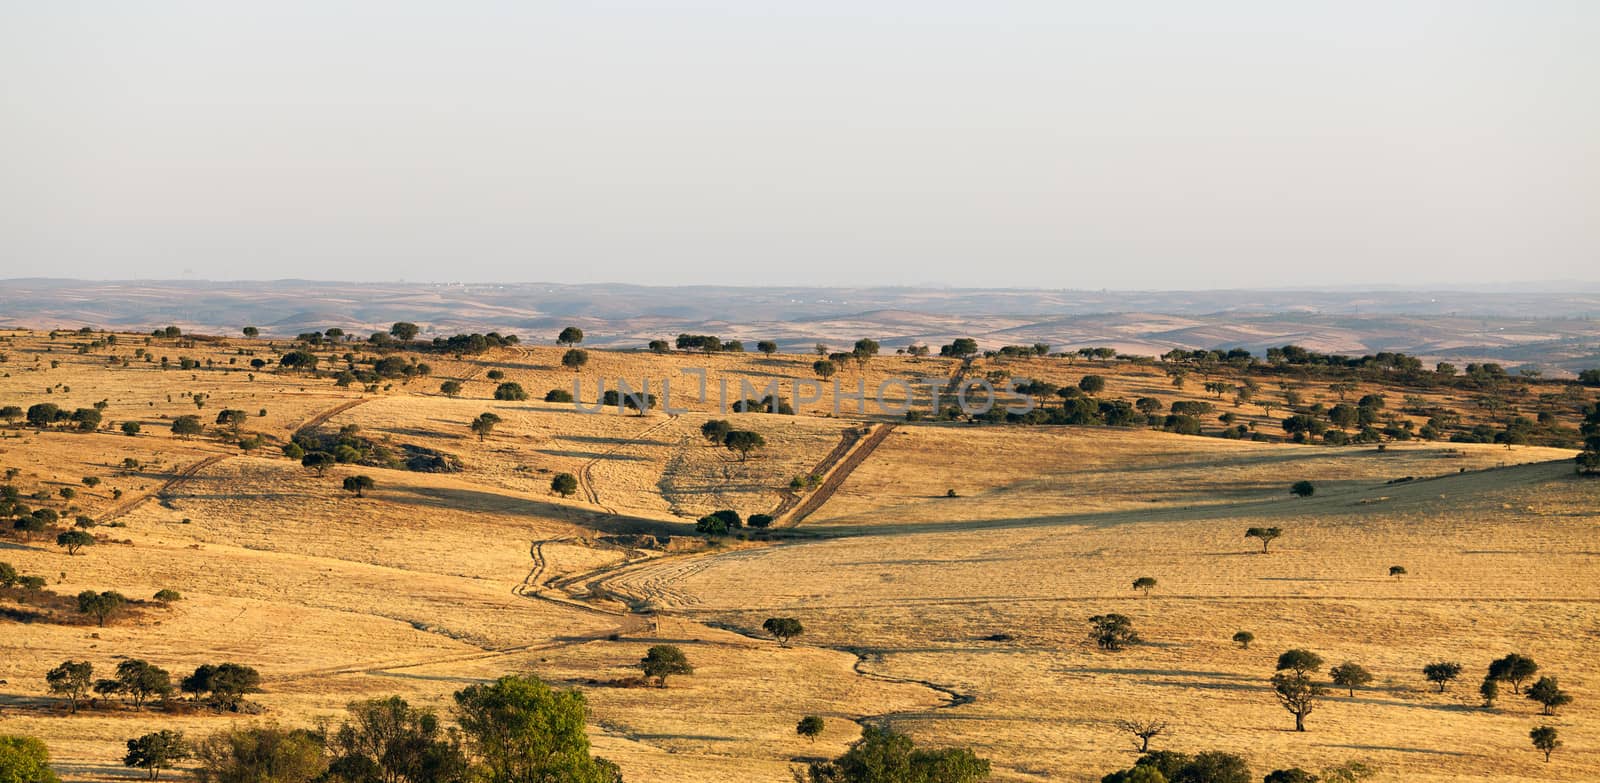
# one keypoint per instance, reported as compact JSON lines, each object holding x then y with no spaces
{"x":586,"y":477}
{"x":323,"y":417}
{"x":181,"y":476}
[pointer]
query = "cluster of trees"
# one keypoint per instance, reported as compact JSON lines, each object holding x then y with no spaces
{"x":223,"y":686}
{"x":1165,"y":766}
{"x":720,"y":432}
{"x":48,"y":415}
{"x":11,"y":578}
{"x":512,"y":730}
{"x":721,"y":523}
{"x":1589,"y":460}
{"x":885,"y":756}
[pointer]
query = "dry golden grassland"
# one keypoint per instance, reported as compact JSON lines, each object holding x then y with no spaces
{"x":435,"y":581}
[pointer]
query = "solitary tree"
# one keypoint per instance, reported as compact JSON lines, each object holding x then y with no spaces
{"x":783,"y":628}
{"x":1489,"y":690}
{"x":73,"y":540}
{"x":510,"y":391}
{"x":1112,"y":631}
{"x":1546,"y":740}
{"x":483,"y":426}
{"x":1297,"y":693}
{"x":1441,"y":673}
{"x":25,"y":759}
{"x":1243,"y":639}
{"x":769,"y":348}
{"x":450,"y":388}
{"x":1549,"y":694}
{"x":356,"y":485}
{"x":743,"y":442}
{"x":520,"y":729}
{"x":71,"y":679}
{"x":1350,"y":676}
{"x":571,"y":335}
{"x":809,"y":727}
{"x":404,"y":331}
{"x":564,"y":484}
{"x":251,"y":331}
{"x":1264,"y":534}
{"x":1302,"y":489}
{"x":663,"y":661}
{"x":1143,"y":731}
{"x":824,"y":368}
{"x":715,"y":430}
{"x":1145,"y":583}
{"x":1514,"y":669}
{"x":187,"y":426}
{"x":1397,"y":571}
{"x":575,"y":359}
{"x":156,"y":751}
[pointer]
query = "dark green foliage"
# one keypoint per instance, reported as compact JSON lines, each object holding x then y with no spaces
{"x":1514,"y":669}
{"x":73,"y":540}
{"x":404,"y":331}
{"x":767,"y":347}
{"x":883,"y":756}
{"x":1092,"y":384}
{"x":389,"y":741}
{"x":824,"y":368}
{"x":810,"y":727}
{"x":483,"y":426}
{"x":783,"y":628}
{"x":1302,"y":489}
{"x":571,"y":335}
{"x":1299,"y":661}
{"x":1547,"y":692}
{"x":1546,"y":739}
{"x":1350,"y":676}
{"x":558,"y":395}
{"x":261,"y":754}
{"x":663,"y":661}
{"x":72,"y":680}
{"x":450,"y":388}
{"x":759,"y":520}
{"x":101,"y":605}
{"x":1112,"y":632}
{"x":1243,"y":639}
{"x":564,"y":484}
{"x":510,"y":391}
{"x":575,"y":359}
{"x":317,"y":461}
{"x":357,"y":485}
{"x":1441,"y":673}
{"x":711,"y":526}
{"x":1145,"y":583}
{"x":743,"y":442}
{"x":156,"y":751}
{"x":1290,"y":775}
{"x":715,"y":430}
{"x":226,"y":684}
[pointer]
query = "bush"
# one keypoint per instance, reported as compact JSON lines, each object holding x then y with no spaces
{"x":558,"y":395}
{"x":24,"y":760}
{"x":510,"y":391}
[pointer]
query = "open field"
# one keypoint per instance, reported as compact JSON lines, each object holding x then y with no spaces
{"x":960,"y":620}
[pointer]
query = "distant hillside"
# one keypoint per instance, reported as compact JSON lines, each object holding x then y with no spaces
{"x":1554,"y":332}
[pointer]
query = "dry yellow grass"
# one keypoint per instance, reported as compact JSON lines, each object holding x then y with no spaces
{"x":434,"y":581}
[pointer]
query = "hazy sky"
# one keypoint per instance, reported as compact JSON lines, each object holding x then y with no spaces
{"x":1060,"y":144}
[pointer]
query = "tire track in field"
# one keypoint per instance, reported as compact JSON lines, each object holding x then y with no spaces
{"x":586,"y":477}
{"x":177,"y":478}
{"x":323,"y":417}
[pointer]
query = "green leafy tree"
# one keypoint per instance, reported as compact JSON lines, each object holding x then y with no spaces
{"x":483,"y":426}
{"x":663,"y":661}
{"x":1112,"y":632}
{"x":810,"y":727}
{"x":72,"y":680}
{"x":575,"y":359}
{"x":1300,"y":661}
{"x":74,"y":540}
{"x":1350,"y":676}
{"x":356,"y":485}
{"x":519,"y":730}
{"x":131,"y":428}
{"x":1547,"y":692}
{"x":101,"y":605}
{"x":1441,"y":673}
{"x":1145,"y":583}
{"x":450,"y":388}
{"x":187,"y":426}
{"x":25,"y":760}
{"x":404,"y":331}
{"x":884,"y":756}
{"x":1243,"y":639}
{"x":824,"y":368}
{"x":1489,"y":689}
{"x":389,"y":741}
{"x":1545,"y":740}
{"x":226,"y":684}
{"x":571,"y":335}
{"x":1513,"y":668}
{"x":558,"y":395}
{"x":743,"y":443}
{"x":715,"y":430}
{"x":156,"y":751}
{"x":261,"y":754}
{"x":510,"y":391}
{"x":767,"y":347}
{"x":1302,"y":489}
{"x":168,"y":595}
{"x":1092,"y":384}
{"x":564,"y":484}
{"x":783,"y":629}
{"x":318,"y":462}
{"x":251,"y":331}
